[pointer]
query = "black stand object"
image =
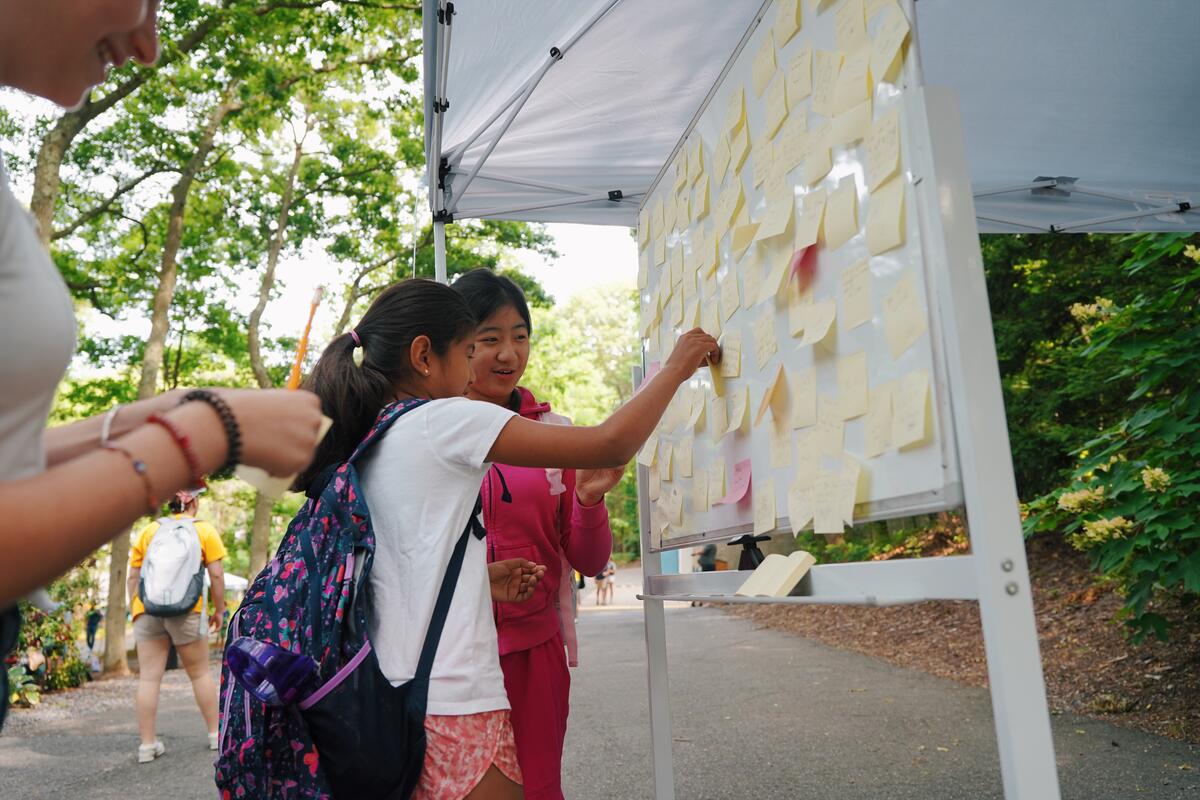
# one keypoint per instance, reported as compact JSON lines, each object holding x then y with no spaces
{"x":751,"y":556}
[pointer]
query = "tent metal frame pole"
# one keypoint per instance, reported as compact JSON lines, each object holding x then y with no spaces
{"x":432,"y":161}
{"x":458,"y":151}
{"x":554,"y":187}
{"x":1021,"y":187}
{"x":1152,"y":212}
{"x":509,"y":120}
{"x":591,"y":198}
{"x":1013,"y":222}
{"x":439,"y":252}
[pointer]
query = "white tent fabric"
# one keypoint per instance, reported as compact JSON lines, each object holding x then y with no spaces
{"x":1100,"y":93}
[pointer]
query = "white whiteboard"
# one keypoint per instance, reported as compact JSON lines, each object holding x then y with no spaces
{"x":916,"y":479}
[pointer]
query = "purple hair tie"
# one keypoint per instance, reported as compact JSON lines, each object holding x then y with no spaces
{"x":354,"y":336}
{"x":358,"y":350}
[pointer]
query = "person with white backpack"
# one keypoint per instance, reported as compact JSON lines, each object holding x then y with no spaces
{"x":166,"y":584}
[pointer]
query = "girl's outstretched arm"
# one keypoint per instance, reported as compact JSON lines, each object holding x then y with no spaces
{"x":525,"y":443}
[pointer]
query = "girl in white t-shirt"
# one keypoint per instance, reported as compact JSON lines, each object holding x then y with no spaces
{"x":421,"y":481}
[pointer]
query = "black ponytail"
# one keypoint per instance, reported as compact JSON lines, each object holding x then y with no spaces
{"x":352,"y":395}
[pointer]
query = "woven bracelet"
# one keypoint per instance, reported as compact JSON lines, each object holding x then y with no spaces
{"x":142,"y":471}
{"x":184,"y":443}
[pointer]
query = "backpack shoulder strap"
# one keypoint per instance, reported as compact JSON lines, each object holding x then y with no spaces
{"x":387,"y":416}
{"x":442,"y":607}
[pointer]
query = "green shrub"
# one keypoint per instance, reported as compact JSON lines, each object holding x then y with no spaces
{"x":22,"y":690}
{"x":1130,"y":504}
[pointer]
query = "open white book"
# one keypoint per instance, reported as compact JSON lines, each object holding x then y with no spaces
{"x":777,"y":575}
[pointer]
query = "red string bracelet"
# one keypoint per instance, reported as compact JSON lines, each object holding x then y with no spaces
{"x":139,"y":466}
{"x":184,"y":443}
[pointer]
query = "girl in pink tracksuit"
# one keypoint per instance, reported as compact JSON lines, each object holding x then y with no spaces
{"x":552,"y":517}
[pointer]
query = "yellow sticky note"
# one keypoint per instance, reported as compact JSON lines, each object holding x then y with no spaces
{"x":883,"y":149}
{"x":675,"y":311}
{"x":654,"y":486}
{"x":778,"y":216}
{"x":751,"y":283}
{"x":716,"y":479}
{"x":764,"y":66}
{"x":766,"y":343}
{"x":841,"y":214}
{"x":777,"y":104}
{"x":852,"y":125}
{"x":777,"y":278}
{"x":903,"y":315}
{"x":721,"y":157}
{"x":818,"y":324}
{"x":691,"y":314}
{"x":888,"y":43}
{"x":700,"y":200}
{"x":851,"y":25}
{"x":764,"y":506}
{"x":731,"y":354}
{"x":731,"y":201}
{"x":739,"y":148}
{"x":683,"y":456}
{"x":826,"y":65}
{"x":808,"y":227}
{"x":675,"y":505}
{"x":804,"y":398}
{"x":877,"y":426}
{"x":735,"y":112}
{"x":885,"y":217}
{"x":649,"y":452}
{"x":696,"y":160}
{"x":851,"y":475}
{"x":818,"y":160}
{"x":827,"y":513}
{"x":830,"y":428}
{"x":743,"y":237}
{"x":911,"y":409}
{"x":718,"y":415}
{"x":665,"y":453}
{"x":780,"y":445}
{"x":800,"y":76}
{"x":643,"y":269}
{"x":792,"y":144}
{"x":800,"y":505}
{"x":700,"y":494}
{"x":654,"y":343}
{"x":787,"y":21}
{"x":798,"y":303}
{"x":656,"y":216}
{"x":739,"y":408}
{"x":856,"y":295}
{"x":808,"y":457}
{"x":681,"y":170}
{"x":852,"y":384}
{"x":853,"y":81}
{"x":671,"y":210}
{"x":774,"y":398}
{"x":644,"y":227}
{"x":660,"y":250}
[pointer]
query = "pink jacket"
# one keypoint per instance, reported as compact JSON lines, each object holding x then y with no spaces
{"x":544,"y":523}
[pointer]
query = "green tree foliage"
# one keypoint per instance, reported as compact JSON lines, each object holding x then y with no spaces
{"x":581,"y":361}
{"x":1129,"y":500}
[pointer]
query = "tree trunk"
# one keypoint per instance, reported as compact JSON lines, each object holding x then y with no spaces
{"x":260,"y":534}
{"x":46,"y":177}
{"x":114,"y":627}
{"x":260,"y":527}
{"x":114,"y":662}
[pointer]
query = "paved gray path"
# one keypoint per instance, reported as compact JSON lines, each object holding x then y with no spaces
{"x":756,"y":713}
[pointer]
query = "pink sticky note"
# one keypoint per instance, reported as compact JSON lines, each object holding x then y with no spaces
{"x":739,"y":484}
{"x":651,"y":371}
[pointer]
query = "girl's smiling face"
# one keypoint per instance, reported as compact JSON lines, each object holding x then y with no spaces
{"x":501,"y":354}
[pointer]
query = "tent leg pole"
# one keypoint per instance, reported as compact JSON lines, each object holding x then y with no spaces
{"x":661,"y":756}
{"x":439,"y":252}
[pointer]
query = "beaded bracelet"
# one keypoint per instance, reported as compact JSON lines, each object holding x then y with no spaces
{"x":233,"y":435}
{"x":143,"y":472}
{"x":184,"y":443}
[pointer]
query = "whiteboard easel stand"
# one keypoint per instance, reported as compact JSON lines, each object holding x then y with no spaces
{"x":996,"y":574}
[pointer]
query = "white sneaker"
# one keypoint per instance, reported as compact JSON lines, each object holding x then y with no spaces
{"x":149,"y":752}
{"x":212,"y":740}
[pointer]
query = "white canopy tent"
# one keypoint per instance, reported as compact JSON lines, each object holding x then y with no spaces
{"x":1079,"y":115}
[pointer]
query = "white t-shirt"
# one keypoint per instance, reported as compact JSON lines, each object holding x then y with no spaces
{"x":421,"y":480}
{"x":37,"y":338}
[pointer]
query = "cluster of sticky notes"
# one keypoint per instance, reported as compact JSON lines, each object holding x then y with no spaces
{"x":721,"y":237}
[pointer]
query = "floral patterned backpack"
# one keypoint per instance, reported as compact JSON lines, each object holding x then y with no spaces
{"x":352,"y":734}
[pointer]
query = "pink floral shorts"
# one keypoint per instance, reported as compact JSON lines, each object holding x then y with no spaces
{"x":461,"y":748}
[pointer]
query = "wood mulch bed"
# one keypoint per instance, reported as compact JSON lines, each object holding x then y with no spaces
{"x":1090,"y":666}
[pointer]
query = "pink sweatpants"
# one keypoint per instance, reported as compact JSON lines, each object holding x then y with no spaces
{"x":539,"y":688}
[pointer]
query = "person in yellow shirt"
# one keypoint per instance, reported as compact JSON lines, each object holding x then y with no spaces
{"x":155,"y":635}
